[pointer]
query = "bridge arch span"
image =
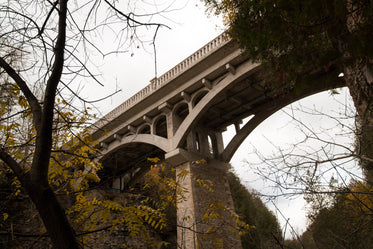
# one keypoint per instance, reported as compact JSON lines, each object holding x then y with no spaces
{"x":181,"y":109}
{"x":126,"y":160}
{"x":267,"y":110}
{"x":149,"y":139}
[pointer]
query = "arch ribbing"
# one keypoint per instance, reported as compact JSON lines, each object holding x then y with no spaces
{"x":266,"y":110}
{"x":157,"y":141}
{"x":198,"y":111}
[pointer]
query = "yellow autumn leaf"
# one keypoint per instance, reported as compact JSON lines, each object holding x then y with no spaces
{"x":153,"y":159}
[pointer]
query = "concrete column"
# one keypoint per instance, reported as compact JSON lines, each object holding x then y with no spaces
{"x":204,"y":216}
{"x":218,"y":145}
{"x":204,"y":147}
{"x":186,"y":237}
{"x":191,"y":141}
{"x":170,"y":125}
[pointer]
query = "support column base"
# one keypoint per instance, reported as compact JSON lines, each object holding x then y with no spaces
{"x":205,"y":214}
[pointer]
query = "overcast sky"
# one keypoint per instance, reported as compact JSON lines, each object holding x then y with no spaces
{"x":190,"y":30}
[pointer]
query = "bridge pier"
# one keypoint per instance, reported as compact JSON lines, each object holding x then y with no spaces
{"x":205,"y":215}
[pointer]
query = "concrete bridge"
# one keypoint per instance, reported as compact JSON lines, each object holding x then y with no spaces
{"x":180,"y":117}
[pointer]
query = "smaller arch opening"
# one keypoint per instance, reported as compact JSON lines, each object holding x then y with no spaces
{"x":144,"y":129}
{"x":182,"y":111}
{"x":198,"y":98}
{"x":161,"y":126}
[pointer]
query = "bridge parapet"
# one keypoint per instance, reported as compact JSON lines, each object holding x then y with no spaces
{"x":165,"y":78}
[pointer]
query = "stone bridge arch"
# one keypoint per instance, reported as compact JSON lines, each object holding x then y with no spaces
{"x":268,"y":109}
{"x":156,"y":141}
{"x":126,"y":159}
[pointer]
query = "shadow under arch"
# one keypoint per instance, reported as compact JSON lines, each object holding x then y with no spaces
{"x":135,"y":139}
{"x":144,"y":129}
{"x":160,"y":126}
{"x":128,"y":159}
{"x":198,"y":96}
{"x":265,"y":111}
{"x":179,"y":113}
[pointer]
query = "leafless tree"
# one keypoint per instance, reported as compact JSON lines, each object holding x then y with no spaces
{"x":320,"y":160}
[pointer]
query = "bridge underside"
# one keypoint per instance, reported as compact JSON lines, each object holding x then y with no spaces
{"x":127,"y":163}
{"x":238,"y":101}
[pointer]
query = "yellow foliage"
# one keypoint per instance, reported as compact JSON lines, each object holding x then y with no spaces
{"x":218,"y":243}
{"x":154,"y":159}
{"x":5,"y":216}
{"x":207,"y":184}
{"x":361,"y":198}
{"x":72,"y":169}
{"x":202,"y":161}
{"x":182,"y":174}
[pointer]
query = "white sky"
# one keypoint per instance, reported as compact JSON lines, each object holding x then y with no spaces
{"x":191,"y":29}
{"x":281,"y":131}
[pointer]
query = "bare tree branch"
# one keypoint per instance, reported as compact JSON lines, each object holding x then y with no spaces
{"x":39,"y":168}
{"x":32,"y":100}
{"x":13,"y":164}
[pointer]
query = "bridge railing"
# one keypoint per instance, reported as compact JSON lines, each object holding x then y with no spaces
{"x":162,"y":80}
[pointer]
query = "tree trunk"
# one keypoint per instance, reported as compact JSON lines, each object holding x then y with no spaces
{"x":359,"y":80}
{"x":54,"y":218}
{"x":50,"y":210}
